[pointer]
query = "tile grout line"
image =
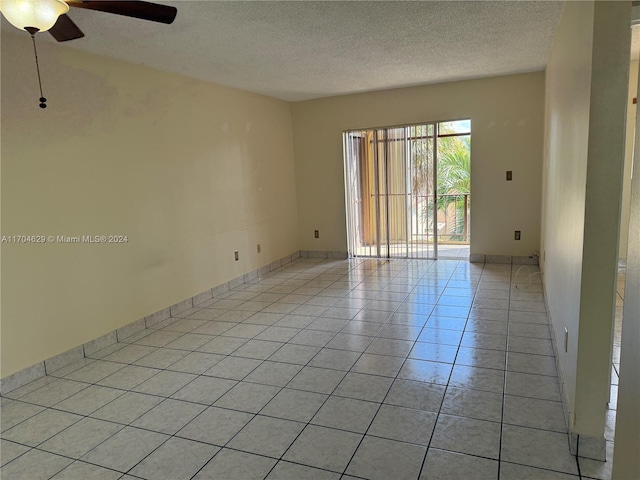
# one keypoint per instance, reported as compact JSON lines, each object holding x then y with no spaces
{"x":171,"y":436}
{"x":323,"y":403}
{"x":387,"y":322}
{"x":506,"y":366}
{"x":444,"y":394}
{"x":256,"y":414}
{"x":344,"y":472}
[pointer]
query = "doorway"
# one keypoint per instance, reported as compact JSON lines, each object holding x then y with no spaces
{"x":408,"y":190}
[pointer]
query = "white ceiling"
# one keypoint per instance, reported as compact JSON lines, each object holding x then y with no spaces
{"x":309,"y":49}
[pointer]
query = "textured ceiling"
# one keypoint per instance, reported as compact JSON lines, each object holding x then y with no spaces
{"x":308,"y":49}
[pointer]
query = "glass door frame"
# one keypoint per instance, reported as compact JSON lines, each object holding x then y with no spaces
{"x":353,"y":192}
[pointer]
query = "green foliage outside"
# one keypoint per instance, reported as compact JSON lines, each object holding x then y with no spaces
{"x":454,"y":179}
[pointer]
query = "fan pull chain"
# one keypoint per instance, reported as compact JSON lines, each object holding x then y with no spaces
{"x":43,"y":101}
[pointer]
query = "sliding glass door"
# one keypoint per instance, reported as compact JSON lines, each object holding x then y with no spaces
{"x":390,"y":179}
{"x":408,"y":190}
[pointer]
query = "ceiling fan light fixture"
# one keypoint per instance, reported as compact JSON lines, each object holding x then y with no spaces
{"x":33,"y":14}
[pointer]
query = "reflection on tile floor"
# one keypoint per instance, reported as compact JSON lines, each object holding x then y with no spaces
{"x":324,"y":369}
{"x":460,"y":252}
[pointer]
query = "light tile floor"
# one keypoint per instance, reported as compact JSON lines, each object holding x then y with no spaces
{"x":325,"y":369}
{"x":460,"y":252}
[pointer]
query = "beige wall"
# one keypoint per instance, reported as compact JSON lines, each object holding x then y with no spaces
{"x":507,"y":131}
{"x":626,"y":462}
{"x":628,"y":159}
{"x":188,"y":170}
{"x":568,"y":85}
{"x":586,"y":93}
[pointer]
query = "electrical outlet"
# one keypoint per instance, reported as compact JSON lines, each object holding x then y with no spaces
{"x":259,"y":248}
{"x":516,"y":235}
{"x":236,"y":256}
{"x":316,"y":234}
{"x":566,"y":339}
{"x":509,"y":175}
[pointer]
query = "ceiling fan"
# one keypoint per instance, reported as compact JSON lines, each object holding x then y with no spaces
{"x":36,"y":16}
{"x":41,"y":15}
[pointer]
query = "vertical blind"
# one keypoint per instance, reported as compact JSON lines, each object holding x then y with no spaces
{"x":390,"y":180}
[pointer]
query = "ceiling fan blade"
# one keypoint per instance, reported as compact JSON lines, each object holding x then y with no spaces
{"x":143,"y":10}
{"x":65,"y":30}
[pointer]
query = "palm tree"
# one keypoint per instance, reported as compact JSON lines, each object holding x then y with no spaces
{"x":454,"y":176}
{"x":454,"y":165}
{"x":454,"y":181}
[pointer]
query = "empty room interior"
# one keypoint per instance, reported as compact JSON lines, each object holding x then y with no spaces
{"x":320,"y":240}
